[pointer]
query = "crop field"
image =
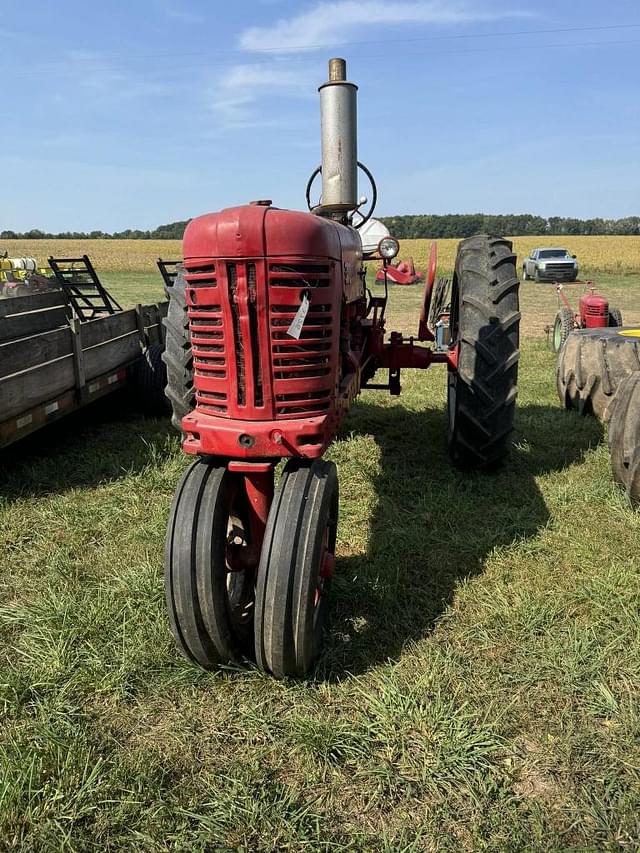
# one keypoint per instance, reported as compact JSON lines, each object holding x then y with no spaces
{"x":616,"y":255}
{"x":480,"y":689}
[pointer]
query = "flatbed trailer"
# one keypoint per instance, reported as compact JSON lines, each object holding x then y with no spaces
{"x":52,"y":363}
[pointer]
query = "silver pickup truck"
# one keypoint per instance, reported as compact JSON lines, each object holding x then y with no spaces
{"x":550,"y":264}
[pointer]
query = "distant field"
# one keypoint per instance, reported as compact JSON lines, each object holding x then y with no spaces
{"x":619,"y":255}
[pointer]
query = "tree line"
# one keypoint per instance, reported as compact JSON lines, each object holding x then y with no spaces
{"x":403,"y":227}
{"x":512,"y":225}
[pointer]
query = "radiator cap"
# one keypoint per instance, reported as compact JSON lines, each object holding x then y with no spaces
{"x":262,"y":202}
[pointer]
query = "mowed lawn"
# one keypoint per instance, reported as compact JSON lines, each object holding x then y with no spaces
{"x":479,"y":689}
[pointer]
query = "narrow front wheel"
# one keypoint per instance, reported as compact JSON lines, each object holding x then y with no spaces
{"x":209,"y":581}
{"x":296,"y":565}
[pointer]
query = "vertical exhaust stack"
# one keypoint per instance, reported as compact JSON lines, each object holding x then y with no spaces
{"x":339,"y":139}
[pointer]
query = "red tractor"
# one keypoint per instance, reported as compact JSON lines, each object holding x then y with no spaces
{"x":271,"y":335}
{"x":593,"y":313}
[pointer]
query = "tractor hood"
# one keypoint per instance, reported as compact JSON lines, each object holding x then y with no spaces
{"x":259,"y":230}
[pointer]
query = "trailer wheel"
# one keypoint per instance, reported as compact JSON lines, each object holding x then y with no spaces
{"x":591,"y":366}
{"x":615,"y":317}
{"x":150,"y":379}
{"x":296,"y":565}
{"x":563,"y":325}
{"x":485,"y":323}
{"x":209,"y":590}
{"x":624,"y":437}
{"x":177,"y":353}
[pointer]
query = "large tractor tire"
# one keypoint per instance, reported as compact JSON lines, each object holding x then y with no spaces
{"x":563,"y":325}
{"x":150,"y":379}
{"x":624,"y":437}
{"x":591,"y":365}
{"x":177,"y":353}
{"x":296,"y":564}
{"x":485,"y":326}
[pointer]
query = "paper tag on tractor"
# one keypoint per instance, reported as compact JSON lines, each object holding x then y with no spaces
{"x":295,"y":328}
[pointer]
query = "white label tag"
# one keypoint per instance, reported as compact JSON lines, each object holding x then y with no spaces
{"x":295,"y":328}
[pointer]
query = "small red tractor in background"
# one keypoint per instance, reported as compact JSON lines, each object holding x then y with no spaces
{"x":271,"y":334}
{"x":593,"y":312}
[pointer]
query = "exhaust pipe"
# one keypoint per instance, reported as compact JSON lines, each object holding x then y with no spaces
{"x":339,"y":140}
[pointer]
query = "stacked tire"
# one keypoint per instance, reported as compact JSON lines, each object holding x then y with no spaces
{"x":591,"y":365}
{"x":598,"y":373}
{"x":624,"y":437}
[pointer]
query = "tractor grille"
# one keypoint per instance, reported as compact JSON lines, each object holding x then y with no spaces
{"x":303,"y":369}
{"x":208,"y":340}
{"x":245,"y":364}
{"x":596,"y":310}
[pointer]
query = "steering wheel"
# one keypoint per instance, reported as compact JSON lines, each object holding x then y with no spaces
{"x":374,"y":197}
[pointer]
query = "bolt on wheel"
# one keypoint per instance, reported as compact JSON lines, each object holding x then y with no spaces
{"x":296,"y":566}
{"x":209,"y":580}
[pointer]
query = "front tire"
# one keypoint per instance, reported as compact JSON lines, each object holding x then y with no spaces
{"x":485,"y":323}
{"x":209,"y":588}
{"x":295,"y":569}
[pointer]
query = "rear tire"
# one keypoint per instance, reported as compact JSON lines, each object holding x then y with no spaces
{"x":177,"y":354}
{"x":485,"y":323}
{"x":591,"y":365}
{"x":563,"y":325}
{"x":296,"y":564}
{"x":209,"y":599}
{"x":615,"y":317}
{"x":150,"y":379}
{"x":624,"y":437}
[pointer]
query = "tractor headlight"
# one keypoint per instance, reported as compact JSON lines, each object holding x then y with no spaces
{"x":388,"y":247}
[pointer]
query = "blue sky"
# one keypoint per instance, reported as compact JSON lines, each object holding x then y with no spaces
{"x":132,"y":114}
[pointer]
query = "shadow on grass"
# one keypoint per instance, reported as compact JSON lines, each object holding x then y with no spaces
{"x":434,"y":526}
{"x":100,"y":443}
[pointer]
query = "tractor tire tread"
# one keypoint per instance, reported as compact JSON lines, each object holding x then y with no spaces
{"x":486,"y":383}
{"x":624,"y":437}
{"x":178,"y":356}
{"x":590,"y":367}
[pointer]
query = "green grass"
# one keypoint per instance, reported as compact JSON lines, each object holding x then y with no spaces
{"x":479,"y":689}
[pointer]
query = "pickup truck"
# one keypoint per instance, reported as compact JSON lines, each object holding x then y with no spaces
{"x":550,"y":264}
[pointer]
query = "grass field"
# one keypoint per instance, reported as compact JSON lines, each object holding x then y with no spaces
{"x":480,"y":686}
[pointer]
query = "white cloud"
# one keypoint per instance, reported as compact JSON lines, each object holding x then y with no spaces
{"x":237,"y":93}
{"x":335,"y":21}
